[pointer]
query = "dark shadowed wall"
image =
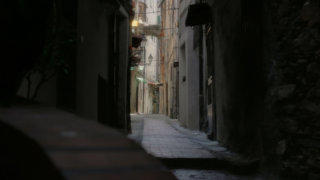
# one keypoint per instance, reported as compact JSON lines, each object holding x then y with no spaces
{"x":266,"y":75}
{"x":93,"y":53}
{"x":22,"y":34}
{"x":238,"y":75}
{"x":292,"y":57}
{"x":102,"y":65}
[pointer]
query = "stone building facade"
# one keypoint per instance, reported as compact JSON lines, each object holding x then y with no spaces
{"x":144,"y":91}
{"x":169,"y":101}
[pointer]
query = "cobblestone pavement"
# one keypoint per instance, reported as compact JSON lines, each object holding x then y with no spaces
{"x":161,"y":139}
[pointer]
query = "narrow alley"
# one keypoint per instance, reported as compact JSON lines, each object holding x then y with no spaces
{"x":160,"y":89}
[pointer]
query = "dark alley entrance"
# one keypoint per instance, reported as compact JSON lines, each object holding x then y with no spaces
{"x":241,"y":73}
{"x":172,"y":103}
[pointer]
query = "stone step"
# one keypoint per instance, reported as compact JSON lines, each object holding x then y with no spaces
{"x":211,"y":164}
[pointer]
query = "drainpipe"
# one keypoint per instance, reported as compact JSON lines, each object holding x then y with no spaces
{"x":144,"y":77}
{"x":201,"y":95}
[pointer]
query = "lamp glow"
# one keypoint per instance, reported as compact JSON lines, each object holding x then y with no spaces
{"x":135,"y":23}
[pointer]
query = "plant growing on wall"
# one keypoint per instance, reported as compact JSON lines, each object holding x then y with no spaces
{"x":61,"y":35}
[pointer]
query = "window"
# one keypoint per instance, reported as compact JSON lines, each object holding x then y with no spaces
{"x":142,"y":11}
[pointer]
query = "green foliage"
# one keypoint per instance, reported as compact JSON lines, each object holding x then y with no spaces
{"x":59,"y":46}
{"x":21,"y":3}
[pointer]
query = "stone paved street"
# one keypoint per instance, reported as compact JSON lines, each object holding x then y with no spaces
{"x":165,"y":139}
{"x":160,"y":139}
{"x":189,"y":174}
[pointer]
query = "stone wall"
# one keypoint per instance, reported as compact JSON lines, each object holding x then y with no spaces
{"x":267,"y":83}
{"x":293,"y":74}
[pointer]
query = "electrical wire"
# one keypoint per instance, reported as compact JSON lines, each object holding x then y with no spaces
{"x":161,"y":28}
{"x":152,"y":12}
{"x":158,"y":60}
